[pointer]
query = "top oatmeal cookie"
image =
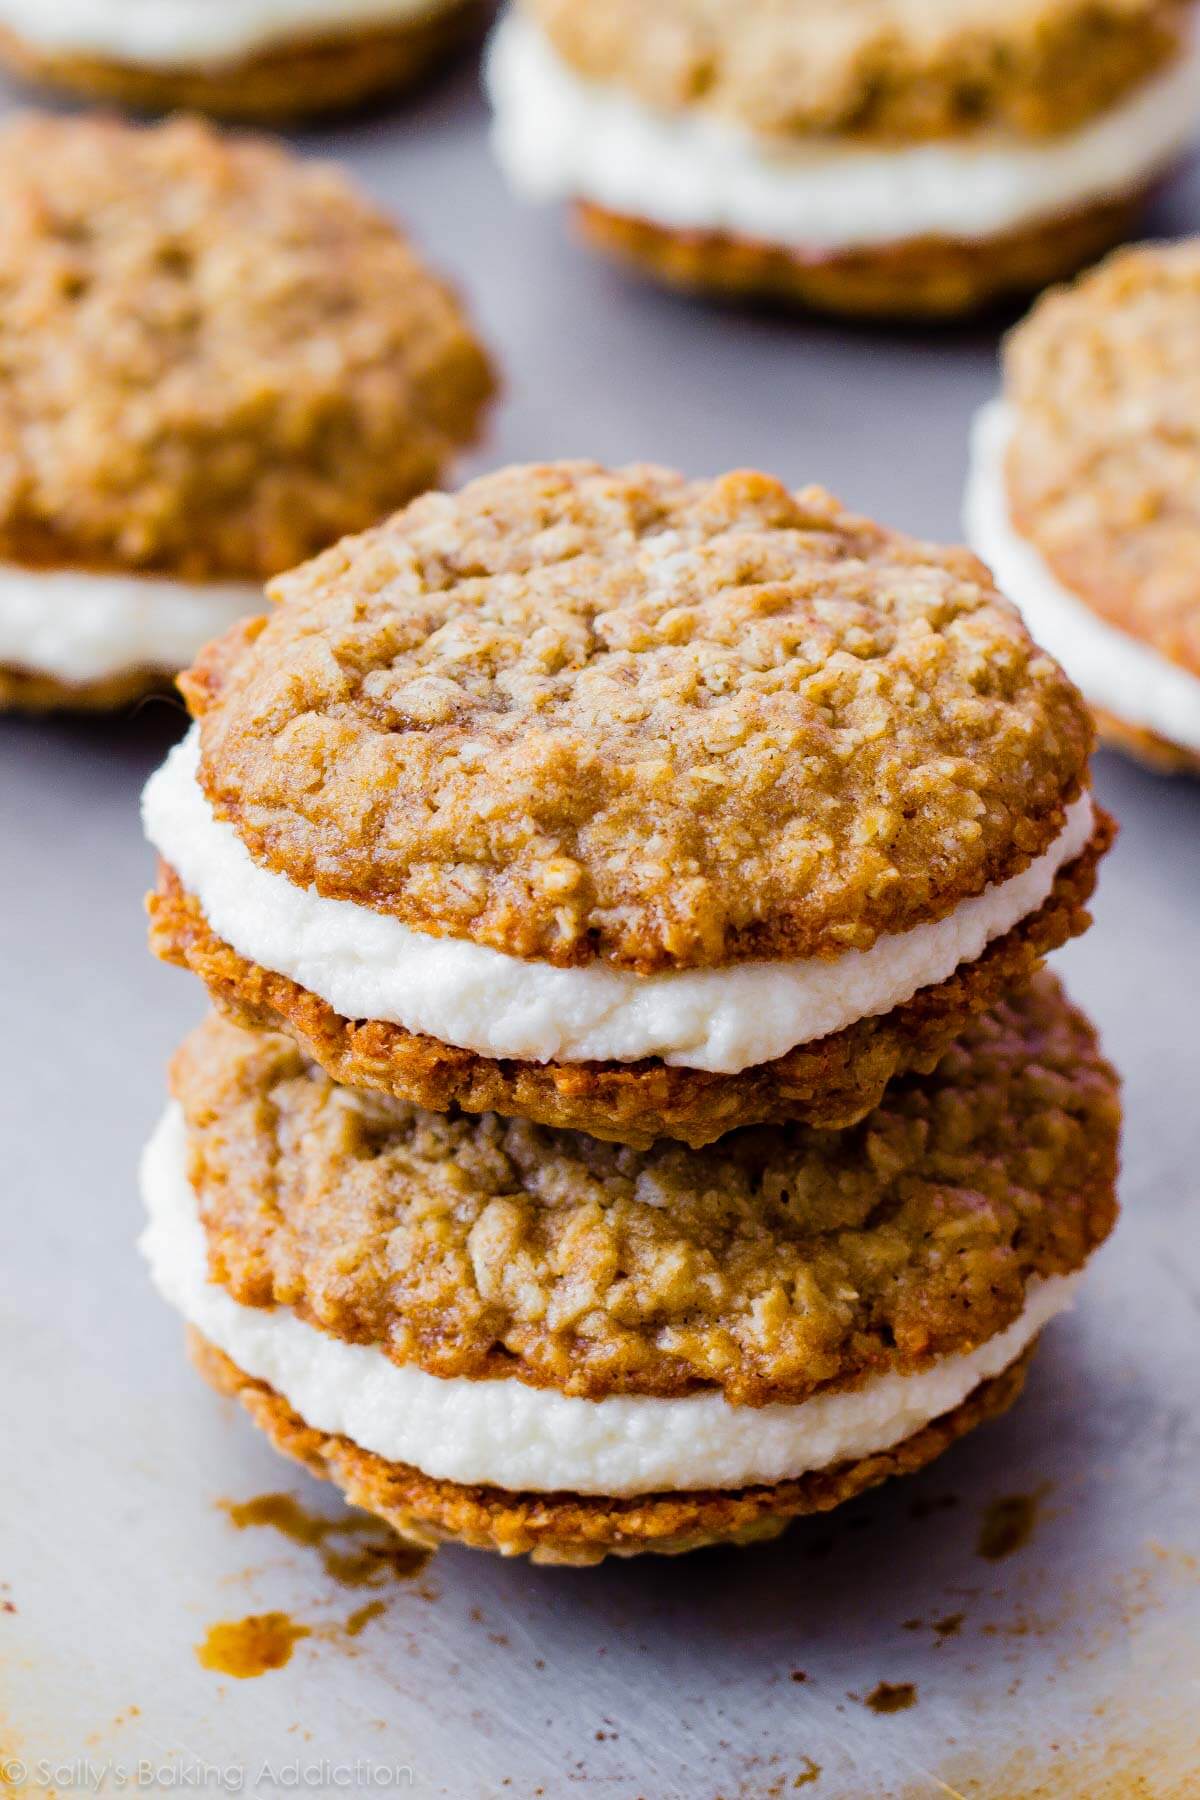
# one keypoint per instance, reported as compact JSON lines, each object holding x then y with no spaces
{"x":214,"y":358}
{"x":575,"y":713}
{"x":1104,"y":465}
{"x":902,"y":69}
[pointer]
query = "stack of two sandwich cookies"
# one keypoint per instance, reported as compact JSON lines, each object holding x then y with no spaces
{"x":634,"y":1115}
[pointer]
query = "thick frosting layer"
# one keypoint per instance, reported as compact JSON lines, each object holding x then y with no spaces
{"x":80,"y":627}
{"x":560,"y":136}
{"x":367,"y":965}
{"x":507,"y":1434}
{"x":1130,"y":680}
{"x":173,"y":33}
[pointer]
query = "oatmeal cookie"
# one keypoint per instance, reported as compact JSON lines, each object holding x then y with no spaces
{"x":781,"y":1263}
{"x":583,"y":715}
{"x":293,"y":80}
{"x":214,"y":358}
{"x":1083,"y":493}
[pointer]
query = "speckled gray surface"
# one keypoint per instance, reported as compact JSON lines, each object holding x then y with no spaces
{"x":1070,"y":1668}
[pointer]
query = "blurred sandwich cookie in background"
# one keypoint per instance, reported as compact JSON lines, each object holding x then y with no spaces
{"x":1084,"y":492}
{"x":214,"y":359}
{"x":239,"y":59}
{"x":898,"y":158}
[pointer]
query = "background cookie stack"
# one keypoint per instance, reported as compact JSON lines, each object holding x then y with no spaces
{"x":568,"y":856}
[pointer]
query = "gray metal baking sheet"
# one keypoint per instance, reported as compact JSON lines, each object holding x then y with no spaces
{"x":1068,"y":1667}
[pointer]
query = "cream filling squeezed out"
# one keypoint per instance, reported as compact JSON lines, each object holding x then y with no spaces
{"x":506,"y":1434}
{"x":367,"y":965}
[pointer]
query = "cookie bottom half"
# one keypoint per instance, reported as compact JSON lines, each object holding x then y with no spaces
{"x":927,"y":278}
{"x":584,"y":1529}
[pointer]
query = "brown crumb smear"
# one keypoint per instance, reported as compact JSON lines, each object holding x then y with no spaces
{"x":922,"y":278}
{"x":891,"y":70}
{"x":583,"y":714}
{"x":295,"y":81}
{"x":1104,"y":464}
{"x":775,"y":1264}
{"x":829,"y":1083}
{"x":23,"y":691}
{"x":214,"y":357}
{"x":579,"y":1529}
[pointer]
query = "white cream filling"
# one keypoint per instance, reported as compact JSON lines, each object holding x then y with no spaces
{"x":180,"y":33}
{"x":1131,"y":680}
{"x":79,"y":627}
{"x":558,"y":135}
{"x":512,"y":1436}
{"x":367,"y":965}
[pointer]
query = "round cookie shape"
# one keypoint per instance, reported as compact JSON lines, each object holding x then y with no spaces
{"x":777,"y":1264}
{"x":214,"y":358}
{"x":1103,"y":468}
{"x":899,"y":70}
{"x":581,"y":714}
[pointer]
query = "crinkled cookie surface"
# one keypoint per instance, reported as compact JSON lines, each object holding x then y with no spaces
{"x":575,"y":713}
